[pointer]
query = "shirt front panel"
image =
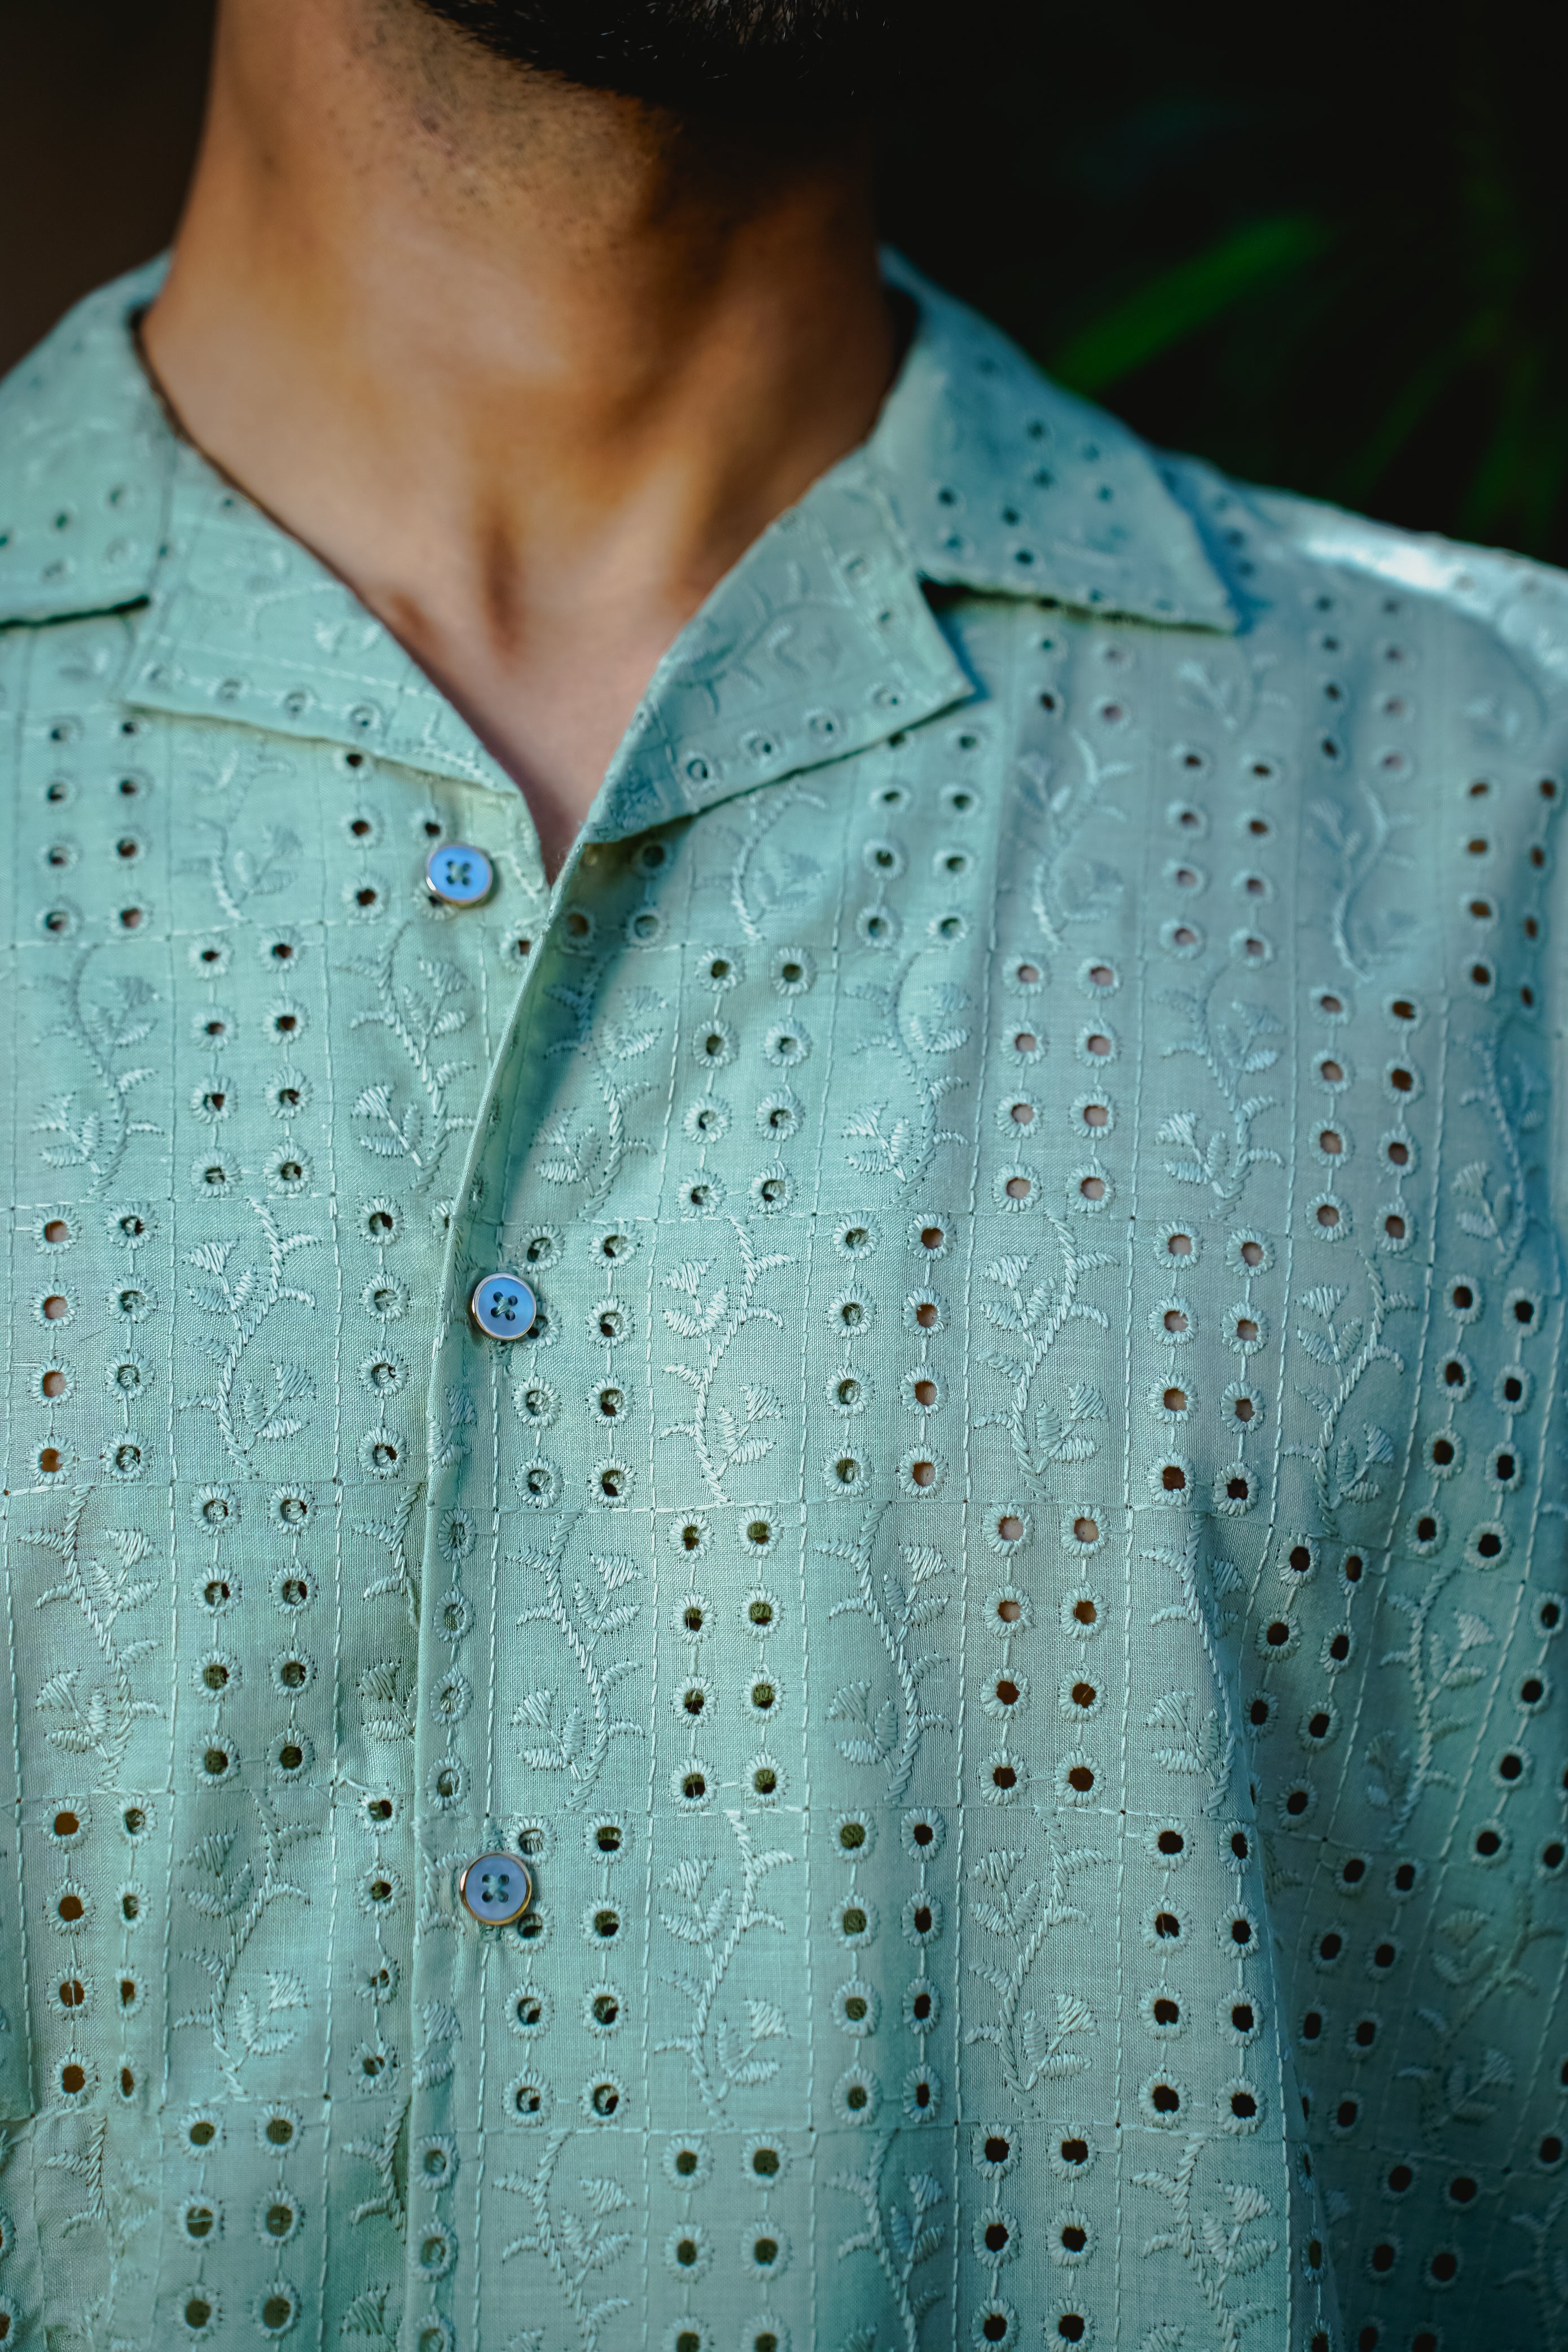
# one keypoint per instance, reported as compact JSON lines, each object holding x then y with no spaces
{"x":246,"y":1054}
{"x":1009,"y":1224}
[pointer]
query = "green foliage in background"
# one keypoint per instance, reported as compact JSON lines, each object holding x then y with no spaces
{"x":1325,"y":250}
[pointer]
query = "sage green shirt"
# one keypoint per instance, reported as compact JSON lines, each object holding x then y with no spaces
{"x":1010,"y":1599}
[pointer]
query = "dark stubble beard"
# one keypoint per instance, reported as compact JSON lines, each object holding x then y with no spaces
{"x":759,"y":59}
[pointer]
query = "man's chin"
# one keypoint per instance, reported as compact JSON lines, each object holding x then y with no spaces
{"x":800,"y":60}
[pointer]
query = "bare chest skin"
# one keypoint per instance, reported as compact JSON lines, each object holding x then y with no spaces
{"x":551,"y":698}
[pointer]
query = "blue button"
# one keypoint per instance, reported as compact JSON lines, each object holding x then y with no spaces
{"x":458,"y":876}
{"x":503,"y":1308}
{"x":496,"y":1889}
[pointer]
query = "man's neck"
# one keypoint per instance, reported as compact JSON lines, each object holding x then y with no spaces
{"x":529,"y":366}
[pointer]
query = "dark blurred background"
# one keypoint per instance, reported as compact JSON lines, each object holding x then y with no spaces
{"x":1322,"y":247}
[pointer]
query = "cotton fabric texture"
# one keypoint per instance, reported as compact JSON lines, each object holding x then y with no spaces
{"x":1011,"y":1600}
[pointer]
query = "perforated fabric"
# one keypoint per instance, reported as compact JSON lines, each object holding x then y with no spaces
{"x":1009,"y":1600}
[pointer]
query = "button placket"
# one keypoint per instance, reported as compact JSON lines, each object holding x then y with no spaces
{"x":579,"y":921}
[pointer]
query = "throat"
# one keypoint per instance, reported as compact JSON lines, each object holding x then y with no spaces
{"x":528,"y":366}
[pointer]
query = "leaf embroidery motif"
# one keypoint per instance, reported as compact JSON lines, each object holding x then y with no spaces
{"x":893,"y":1737}
{"x":576,"y":2246}
{"x":575,"y":1742}
{"x":103,"y":1590}
{"x":722,"y":2058}
{"x":900,"y":2236}
{"x":1033,"y":2049}
{"x":1216,"y":2250}
{"x":100,"y":1028}
{"x":1233,"y":1053}
{"x":418,"y":1018}
{"x":248,"y":1414}
{"x":903,"y":1145}
{"x":1031,"y":1324}
{"x":1342,"y":1470}
{"x":724,"y":1440}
